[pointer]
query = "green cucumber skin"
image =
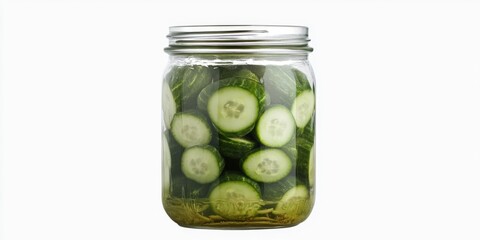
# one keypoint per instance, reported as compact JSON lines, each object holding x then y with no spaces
{"x":171,"y":78}
{"x":275,"y":191}
{"x":292,"y":152}
{"x":229,"y":176}
{"x":183,"y":187}
{"x":252,"y":86}
{"x":230,"y":148}
{"x":237,"y":72}
{"x":258,"y":70}
{"x":284,"y":83}
{"x":176,"y":151}
{"x":237,"y":134}
{"x":186,"y":82}
{"x":308,"y":131}
{"x":227,"y":71}
{"x":304,"y":146}
{"x":301,"y":81}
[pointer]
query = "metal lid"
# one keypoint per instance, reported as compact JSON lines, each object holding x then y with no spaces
{"x":238,"y":39}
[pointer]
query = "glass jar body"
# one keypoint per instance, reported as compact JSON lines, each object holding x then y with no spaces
{"x":238,"y":141}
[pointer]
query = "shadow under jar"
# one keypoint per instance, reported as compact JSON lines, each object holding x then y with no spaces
{"x":239,"y":127}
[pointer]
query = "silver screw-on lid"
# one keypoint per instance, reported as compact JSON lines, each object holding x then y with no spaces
{"x":238,"y":39}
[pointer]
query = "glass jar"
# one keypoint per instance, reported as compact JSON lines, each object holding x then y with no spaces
{"x":239,"y":127}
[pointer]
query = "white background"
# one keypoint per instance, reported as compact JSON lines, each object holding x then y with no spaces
{"x":398,"y":108}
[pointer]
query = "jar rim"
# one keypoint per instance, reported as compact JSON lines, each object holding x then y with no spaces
{"x":238,"y":39}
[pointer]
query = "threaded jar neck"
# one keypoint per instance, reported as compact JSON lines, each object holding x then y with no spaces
{"x":239,"y":39}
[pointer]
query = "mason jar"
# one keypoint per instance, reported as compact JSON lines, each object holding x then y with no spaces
{"x":238,"y":108}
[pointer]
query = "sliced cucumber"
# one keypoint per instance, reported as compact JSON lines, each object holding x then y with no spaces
{"x":235,"y":148}
{"x":181,"y":87}
{"x":276,"y":126}
{"x":294,"y":202}
{"x":236,"y":197}
{"x":311,"y":167}
{"x":275,"y":191}
{"x":284,"y":83}
{"x":303,"y":107}
{"x":233,"y":105}
{"x":202,"y":164}
{"x":183,"y":187}
{"x":306,"y":160}
{"x":191,"y":128}
{"x":233,"y":111}
{"x":169,"y":105}
{"x":175,"y":149}
{"x":252,"y":86}
{"x":267,"y":165}
{"x":166,"y":164}
{"x":172,"y":153}
{"x":291,"y":87}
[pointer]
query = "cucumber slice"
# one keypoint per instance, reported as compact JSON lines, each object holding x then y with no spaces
{"x":172,"y":153}
{"x":202,"y":164}
{"x":233,"y":111}
{"x":276,"y":126}
{"x":191,"y":128}
{"x":175,"y":149}
{"x":303,"y":107}
{"x":311,"y":167}
{"x":284,"y":83}
{"x":235,"y":148}
{"x":167,"y":164}
{"x":236,"y":197}
{"x":275,"y":191}
{"x":306,"y":160}
{"x":252,"y":86}
{"x":294,"y":202}
{"x":169,"y":105}
{"x":290,"y":87}
{"x":180,"y":89}
{"x":233,"y":105}
{"x":267,"y":165}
